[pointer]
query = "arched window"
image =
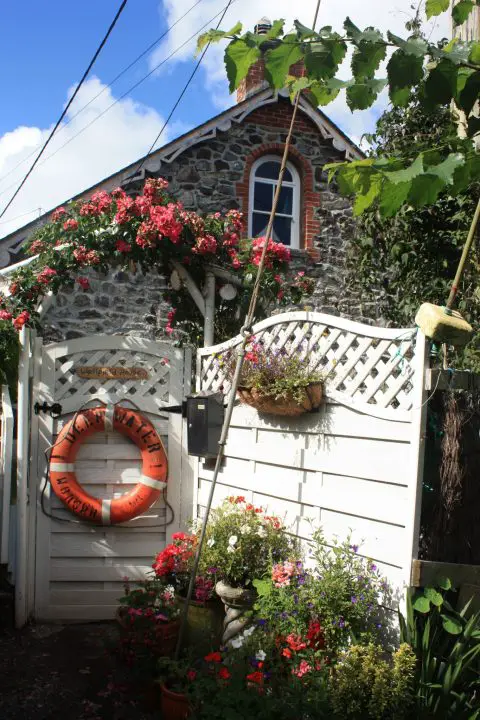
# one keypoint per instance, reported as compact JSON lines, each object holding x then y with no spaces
{"x":263,"y":183}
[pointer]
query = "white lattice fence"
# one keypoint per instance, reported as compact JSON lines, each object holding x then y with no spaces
{"x":363,"y":365}
{"x":355,"y":466}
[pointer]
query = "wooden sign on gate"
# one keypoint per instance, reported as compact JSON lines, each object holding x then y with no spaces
{"x":112,"y":373}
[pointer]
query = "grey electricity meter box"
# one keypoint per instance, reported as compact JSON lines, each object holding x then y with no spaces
{"x":205,"y":414}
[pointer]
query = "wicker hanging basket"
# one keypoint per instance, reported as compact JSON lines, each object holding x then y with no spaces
{"x":287,"y":407}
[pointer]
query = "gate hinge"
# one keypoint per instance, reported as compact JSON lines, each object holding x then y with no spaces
{"x":55,"y":409}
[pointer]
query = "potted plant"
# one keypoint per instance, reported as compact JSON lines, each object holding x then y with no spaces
{"x":241,"y":544}
{"x":175,"y":679}
{"x":173,"y":565}
{"x":276,"y":382}
{"x":149,"y":618}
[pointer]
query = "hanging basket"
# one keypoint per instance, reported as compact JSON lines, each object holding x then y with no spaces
{"x":287,"y":407}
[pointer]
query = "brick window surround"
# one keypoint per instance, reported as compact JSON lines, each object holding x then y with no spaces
{"x":309,"y":199}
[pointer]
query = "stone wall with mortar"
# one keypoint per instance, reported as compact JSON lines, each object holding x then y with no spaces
{"x":212,"y":176}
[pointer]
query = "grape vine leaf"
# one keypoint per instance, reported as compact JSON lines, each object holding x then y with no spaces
{"x":393,"y":197}
{"x":461,"y":11}
{"x":404,"y":71}
{"x":413,"y":46}
{"x":239,"y":56}
{"x":363,"y":94}
{"x":278,"y":60}
{"x":367,"y":58}
{"x":436,"y":7}
{"x":216,"y":36}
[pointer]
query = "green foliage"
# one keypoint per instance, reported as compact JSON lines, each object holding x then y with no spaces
{"x":404,"y":256}
{"x":366,"y":685}
{"x":9,"y":353}
{"x":447,"y":647}
{"x":462,"y":10}
{"x":242,"y":543}
{"x":436,"y":7}
{"x":438,"y":74}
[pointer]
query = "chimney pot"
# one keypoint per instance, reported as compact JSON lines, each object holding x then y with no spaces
{"x":263,"y":26}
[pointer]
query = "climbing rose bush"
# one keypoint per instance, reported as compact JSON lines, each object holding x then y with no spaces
{"x":149,"y":232}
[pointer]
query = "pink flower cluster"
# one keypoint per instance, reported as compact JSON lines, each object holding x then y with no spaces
{"x":164,"y":218}
{"x":203,"y":588}
{"x":205,"y":245}
{"x":86,"y":257}
{"x":282,"y":573}
{"x":46,"y":275}
{"x":275,"y":251}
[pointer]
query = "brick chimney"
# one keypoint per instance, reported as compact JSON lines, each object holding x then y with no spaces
{"x":255,"y":79}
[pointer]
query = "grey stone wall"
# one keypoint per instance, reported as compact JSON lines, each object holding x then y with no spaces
{"x":205,"y":178}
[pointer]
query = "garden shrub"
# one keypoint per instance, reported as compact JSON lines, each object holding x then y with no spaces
{"x":364,"y":684}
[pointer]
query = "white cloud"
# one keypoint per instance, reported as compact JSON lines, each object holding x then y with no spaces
{"x":115,"y":140}
{"x":382,"y":14}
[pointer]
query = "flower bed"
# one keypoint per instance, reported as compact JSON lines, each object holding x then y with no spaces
{"x":317,"y":641}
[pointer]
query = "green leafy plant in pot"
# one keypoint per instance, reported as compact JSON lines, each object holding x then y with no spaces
{"x":174,"y":565}
{"x":242,"y":543}
{"x":148,"y":616}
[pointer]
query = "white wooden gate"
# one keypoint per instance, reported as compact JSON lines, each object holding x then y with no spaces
{"x":353,"y":467}
{"x":76,"y":569}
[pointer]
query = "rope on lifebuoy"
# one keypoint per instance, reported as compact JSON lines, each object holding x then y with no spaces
{"x":153,"y":479}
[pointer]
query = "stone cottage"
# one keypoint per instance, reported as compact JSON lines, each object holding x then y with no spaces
{"x":230,"y":161}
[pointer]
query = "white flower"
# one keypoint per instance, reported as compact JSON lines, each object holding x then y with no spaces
{"x":261,"y":531}
{"x":237,"y":642}
{"x":249,"y":631}
{"x":261,"y":655}
{"x":245,"y":529}
{"x":232,"y":539}
{"x":210,"y":542}
{"x":230,"y":549}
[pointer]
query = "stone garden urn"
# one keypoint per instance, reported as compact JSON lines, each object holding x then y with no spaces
{"x":237,"y":602}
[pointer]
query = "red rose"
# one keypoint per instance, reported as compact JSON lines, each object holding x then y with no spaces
{"x":70,"y":224}
{"x":20,"y":321}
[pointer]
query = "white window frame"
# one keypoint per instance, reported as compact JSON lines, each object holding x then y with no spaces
{"x":295,"y":184}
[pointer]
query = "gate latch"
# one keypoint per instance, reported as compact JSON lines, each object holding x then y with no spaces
{"x":55,"y":409}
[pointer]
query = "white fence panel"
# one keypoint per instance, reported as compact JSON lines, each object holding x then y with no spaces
{"x":354,"y":467}
{"x":6,"y":458}
{"x":80,"y":568}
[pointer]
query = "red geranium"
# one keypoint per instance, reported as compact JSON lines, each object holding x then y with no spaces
{"x":214,"y":657}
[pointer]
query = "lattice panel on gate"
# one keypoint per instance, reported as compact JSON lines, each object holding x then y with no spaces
{"x":150,"y":393}
{"x":363,"y":365}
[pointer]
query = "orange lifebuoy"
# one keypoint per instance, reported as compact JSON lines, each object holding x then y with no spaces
{"x":154,"y":465}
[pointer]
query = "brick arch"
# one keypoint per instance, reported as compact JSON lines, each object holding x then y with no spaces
{"x":310,"y":200}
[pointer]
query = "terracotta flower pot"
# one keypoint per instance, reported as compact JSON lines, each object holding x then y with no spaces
{"x":175,"y":705}
{"x":204,"y":625}
{"x":237,"y":602}
{"x":166,"y":633}
{"x":287,"y":407}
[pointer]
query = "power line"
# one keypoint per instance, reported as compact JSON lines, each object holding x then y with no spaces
{"x":90,"y":65}
{"x":187,"y":84}
{"x":112,"y":82}
{"x":17,"y":217}
{"x":133,"y":87}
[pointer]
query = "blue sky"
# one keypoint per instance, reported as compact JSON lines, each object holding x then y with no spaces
{"x":46,"y":46}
